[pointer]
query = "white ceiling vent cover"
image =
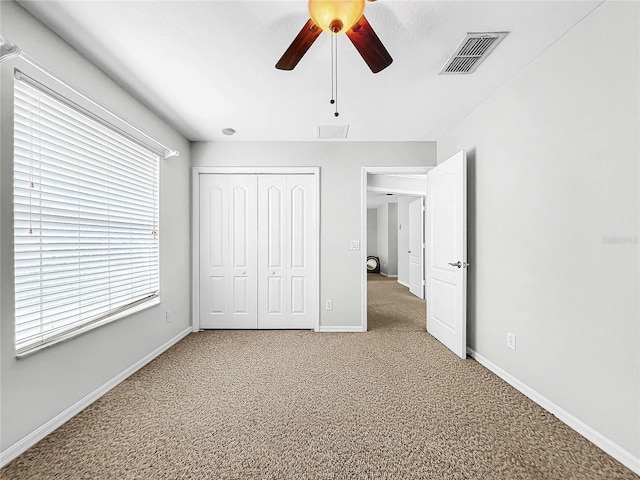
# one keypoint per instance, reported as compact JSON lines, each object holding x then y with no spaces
{"x":471,"y":52}
{"x":333,"y":131}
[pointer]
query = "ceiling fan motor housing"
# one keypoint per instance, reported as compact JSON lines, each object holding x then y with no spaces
{"x":336,"y":16}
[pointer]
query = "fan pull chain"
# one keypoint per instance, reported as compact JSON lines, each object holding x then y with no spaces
{"x":334,"y":73}
{"x":332,"y":101}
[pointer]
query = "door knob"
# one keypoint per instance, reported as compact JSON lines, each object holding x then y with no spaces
{"x":408,"y":251}
{"x":459,"y":264}
{"x":244,"y":273}
{"x":273,"y":273}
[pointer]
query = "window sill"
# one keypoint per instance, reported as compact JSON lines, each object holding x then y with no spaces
{"x":68,"y":336}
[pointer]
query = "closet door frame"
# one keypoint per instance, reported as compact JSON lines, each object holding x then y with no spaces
{"x":195,"y":228}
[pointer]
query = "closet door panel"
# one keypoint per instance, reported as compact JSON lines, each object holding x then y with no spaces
{"x":243,"y":252}
{"x":301,"y":226}
{"x":298,"y":215}
{"x":298,"y":295}
{"x":275,"y":292}
{"x":272,"y":251}
{"x":214,"y":238}
{"x":228,"y":270}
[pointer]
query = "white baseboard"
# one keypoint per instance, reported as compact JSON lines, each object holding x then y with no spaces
{"x":403,"y":284}
{"x":610,"y":447}
{"x":39,"y":433}
{"x":340,"y":328}
{"x":387,"y":275}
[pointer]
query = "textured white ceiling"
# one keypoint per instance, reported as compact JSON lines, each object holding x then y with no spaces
{"x":207,"y":65}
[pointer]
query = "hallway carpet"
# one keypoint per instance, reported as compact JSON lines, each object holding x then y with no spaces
{"x":391,"y":403}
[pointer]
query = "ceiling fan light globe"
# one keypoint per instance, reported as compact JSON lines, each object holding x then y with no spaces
{"x":327,"y":14}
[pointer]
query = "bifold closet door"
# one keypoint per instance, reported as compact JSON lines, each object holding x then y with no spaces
{"x":228,"y":251}
{"x":287,"y":287}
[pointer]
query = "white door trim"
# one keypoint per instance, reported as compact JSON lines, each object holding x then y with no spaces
{"x":195,"y":227}
{"x":396,"y":191}
{"x":417,"y":170}
{"x":417,"y":279}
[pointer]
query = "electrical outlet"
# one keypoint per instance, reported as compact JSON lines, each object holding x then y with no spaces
{"x":328,"y":305}
{"x":511,"y":340}
{"x":167,"y":316}
{"x":354,"y":245}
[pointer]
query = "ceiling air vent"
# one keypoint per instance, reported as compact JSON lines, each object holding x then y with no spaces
{"x":471,"y":52}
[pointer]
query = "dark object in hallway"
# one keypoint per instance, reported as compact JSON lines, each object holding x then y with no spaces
{"x":373,"y":264}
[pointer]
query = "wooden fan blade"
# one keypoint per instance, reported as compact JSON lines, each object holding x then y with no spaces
{"x":299,"y":46}
{"x":369,"y":45}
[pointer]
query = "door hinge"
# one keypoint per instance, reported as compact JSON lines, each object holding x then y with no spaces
{"x":423,"y":283}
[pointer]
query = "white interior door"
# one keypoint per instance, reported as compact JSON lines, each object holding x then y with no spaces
{"x":416,"y":248}
{"x":228,"y":250}
{"x":286,"y":230}
{"x":447,"y":253}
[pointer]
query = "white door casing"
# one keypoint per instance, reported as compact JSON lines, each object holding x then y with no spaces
{"x":228,"y":251}
{"x":286,"y":229}
{"x":416,"y":247}
{"x":365,"y":171}
{"x":446,"y":276}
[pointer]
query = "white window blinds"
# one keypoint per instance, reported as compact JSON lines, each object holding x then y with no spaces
{"x":85,"y":218}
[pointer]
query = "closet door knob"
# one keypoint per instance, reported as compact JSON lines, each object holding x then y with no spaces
{"x":273,"y":273}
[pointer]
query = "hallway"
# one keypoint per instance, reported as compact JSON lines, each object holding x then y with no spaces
{"x":391,"y":307}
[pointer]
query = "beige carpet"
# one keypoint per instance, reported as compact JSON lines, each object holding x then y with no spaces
{"x":392,"y":307}
{"x":388,"y":404}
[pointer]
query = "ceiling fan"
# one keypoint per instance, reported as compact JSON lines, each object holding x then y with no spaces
{"x":336,"y":17}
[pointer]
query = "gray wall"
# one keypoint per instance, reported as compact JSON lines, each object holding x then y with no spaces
{"x":553,"y":223}
{"x":340,"y":201}
{"x":36,"y":388}
{"x":372,"y":231}
{"x":387,"y":238}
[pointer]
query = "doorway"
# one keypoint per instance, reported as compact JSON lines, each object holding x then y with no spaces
{"x":396,"y":186}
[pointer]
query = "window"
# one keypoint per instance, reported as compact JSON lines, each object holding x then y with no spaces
{"x":85,"y":218}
